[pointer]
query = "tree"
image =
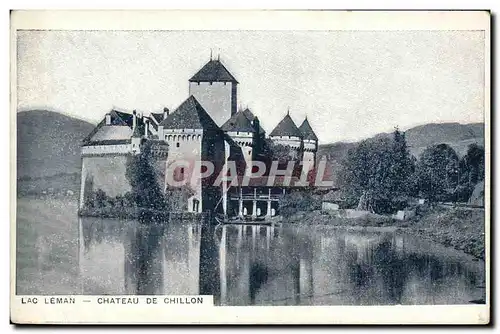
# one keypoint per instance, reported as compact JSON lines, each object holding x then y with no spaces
{"x":298,"y":200}
{"x":378,"y":173}
{"x":471,"y":171}
{"x":402,"y":166}
{"x":176,"y":197}
{"x":100,"y":198}
{"x":146,"y":191}
{"x":278,"y":152}
{"x":437,"y":172}
{"x":89,"y":194}
{"x":472,"y":165}
{"x":283,"y":154}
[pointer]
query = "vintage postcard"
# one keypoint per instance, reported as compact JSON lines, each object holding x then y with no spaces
{"x":250,"y":167}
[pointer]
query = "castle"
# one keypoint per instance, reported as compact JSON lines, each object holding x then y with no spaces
{"x":205,"y":127}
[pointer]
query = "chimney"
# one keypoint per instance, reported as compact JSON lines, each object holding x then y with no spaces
{"x":166,"y":112}
{"x":108,"y":119}
{"x":134,"y":119}
{"x":146,"y":128}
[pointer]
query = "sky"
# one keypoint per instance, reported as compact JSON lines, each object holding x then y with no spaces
{"x":350,"y":84}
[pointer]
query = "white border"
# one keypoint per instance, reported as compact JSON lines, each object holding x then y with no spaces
{"x":252,"y":20}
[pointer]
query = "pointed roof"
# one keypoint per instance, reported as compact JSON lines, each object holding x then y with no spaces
{"x":307,"y":131}
{"x":120,"y":118}
{"x":213,"y":71}
{"x":286,"y":128}
{"x":157,"y":117}
{"x":251,"y":117}
{"x":249,"y":114}
{"x":238,"y":122}
{"x":189,"y":115}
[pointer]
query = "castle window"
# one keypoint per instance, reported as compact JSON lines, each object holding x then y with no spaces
{"x":178,"y":144}
{"x":196,"y":205}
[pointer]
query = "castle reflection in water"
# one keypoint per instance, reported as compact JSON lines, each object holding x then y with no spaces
{"x":267,"y":265}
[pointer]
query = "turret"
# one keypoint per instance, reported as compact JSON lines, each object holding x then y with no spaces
{"x":287,"y":133}
{"x":310,"y":141}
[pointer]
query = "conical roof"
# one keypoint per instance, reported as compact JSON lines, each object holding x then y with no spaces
{"x":238,"y":122}
{"x":286,"y":128}
{"x":307,"y":130}
{"x":189,"y":115}
{"x":213,"y":71}
{"x":251,"y":117}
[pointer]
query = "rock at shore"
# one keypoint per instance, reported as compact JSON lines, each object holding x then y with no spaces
{"x":477,"y":197}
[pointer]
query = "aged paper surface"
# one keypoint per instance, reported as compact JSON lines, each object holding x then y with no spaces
{"x":360,"y":143}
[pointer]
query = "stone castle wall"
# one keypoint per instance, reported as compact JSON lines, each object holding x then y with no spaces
{"x":106,"y":173}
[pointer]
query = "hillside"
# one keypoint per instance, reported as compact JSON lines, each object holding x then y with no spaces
{"x":48,"y":143}
{"x":458,"y":136}
{"x":48,"y":147}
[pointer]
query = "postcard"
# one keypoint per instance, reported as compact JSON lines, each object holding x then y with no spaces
{"x":250,"y":167}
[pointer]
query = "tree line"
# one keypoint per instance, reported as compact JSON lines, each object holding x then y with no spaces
{"x":380,"y":175}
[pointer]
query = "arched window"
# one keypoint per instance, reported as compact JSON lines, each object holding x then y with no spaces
{"x":196,"y":205}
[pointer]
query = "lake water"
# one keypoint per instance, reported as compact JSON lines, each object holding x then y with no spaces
{"x":264,"y":265}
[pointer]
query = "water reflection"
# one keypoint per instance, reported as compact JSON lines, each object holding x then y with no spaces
{"x":267,"y":265}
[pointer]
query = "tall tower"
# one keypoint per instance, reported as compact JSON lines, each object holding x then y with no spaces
{"x":310,"y":141}
{"x":216,"y":90}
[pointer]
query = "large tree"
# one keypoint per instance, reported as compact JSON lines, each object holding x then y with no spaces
{"x":437,"y":172}
{"x":472,"y":165}
{"x":402,"y":167}
{"x":377,"y":172}
{"x":282,"y":154}
{"x":471,"y":171}
{"x":141,"y":174}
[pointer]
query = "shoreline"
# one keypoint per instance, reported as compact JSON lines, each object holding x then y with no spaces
{"x":457,"y":228}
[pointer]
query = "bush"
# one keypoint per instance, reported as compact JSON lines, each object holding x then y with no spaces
{"x":297,"y":201}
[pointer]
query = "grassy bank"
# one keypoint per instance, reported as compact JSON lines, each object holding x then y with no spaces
{"x":460,"y":228}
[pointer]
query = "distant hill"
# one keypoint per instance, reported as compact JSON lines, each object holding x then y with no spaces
{"x":48,"y":146}
{"x":48,"y":143}
{"x":458,"y":136}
